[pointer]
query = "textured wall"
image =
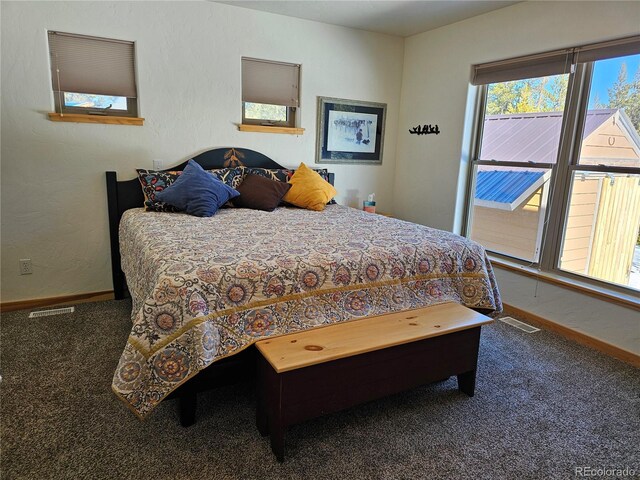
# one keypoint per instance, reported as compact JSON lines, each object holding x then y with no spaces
{"x":435,"y":89}
{"x":188,"y":68}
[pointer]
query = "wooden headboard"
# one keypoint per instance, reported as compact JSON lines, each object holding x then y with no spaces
{"x":126,"y":194}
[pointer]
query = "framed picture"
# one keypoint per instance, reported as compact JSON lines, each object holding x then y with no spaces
{"x":350,"y":131}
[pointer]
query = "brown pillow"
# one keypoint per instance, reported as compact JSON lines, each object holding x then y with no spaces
{"x":260,"y":193}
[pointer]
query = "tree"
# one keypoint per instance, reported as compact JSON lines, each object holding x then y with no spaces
{"x":597,"y":103}
{"x":625,"y":95}
{"x":546,"y":94}
{"x":266,"y":112}
{"x":526,"y":102}
{"x":503,"y":97}
{"x":555,"y":93}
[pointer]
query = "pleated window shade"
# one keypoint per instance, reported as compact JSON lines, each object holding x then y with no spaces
{"x":552,"y":63}
{"x":270,"y":82}
{"x":531,"y":66}
{"x":99,"y":66}
{"x":604,"y":50}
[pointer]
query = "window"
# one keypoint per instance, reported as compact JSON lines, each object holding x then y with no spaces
{"x":91,"y":75}
{"x":519,"y":146}
{"x":556,"y":168}
{"x":270,"y":92}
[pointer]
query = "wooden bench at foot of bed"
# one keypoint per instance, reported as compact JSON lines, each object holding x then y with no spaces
{"x":315,"y":372}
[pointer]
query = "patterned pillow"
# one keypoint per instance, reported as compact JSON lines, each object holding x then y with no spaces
{"x":280,"y":174}
{"x":231,"y":176}
{"x":155,"y":181}
{"x":324,"y":173}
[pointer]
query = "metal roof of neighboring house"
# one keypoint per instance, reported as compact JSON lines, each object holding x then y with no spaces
{"x":531,"y":137}
{"x":528,"y":137}
{"x":505,"y":186}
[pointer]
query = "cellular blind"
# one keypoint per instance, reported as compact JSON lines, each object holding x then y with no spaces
{"x":269,"y":82}
{"x":531,"y":66}
{"x":614,"y":48}
{"x":552,"y":63}
{"x":99,"y":66}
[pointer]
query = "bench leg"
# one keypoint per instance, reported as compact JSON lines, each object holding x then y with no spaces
{"x":467,"y":382}
{"x":262,"y":419}
{"x":269,"y":406}
{"x":187,"y":404}
{"x":273,"y":407}
{"x":262,"y":413}
{"x":277,"y":440}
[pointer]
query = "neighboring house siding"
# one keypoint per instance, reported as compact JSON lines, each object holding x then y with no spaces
{"x":609,"y":142}
{"x":510,"y":233}
{"x":580,"y":224}
{"x":612,"y":252}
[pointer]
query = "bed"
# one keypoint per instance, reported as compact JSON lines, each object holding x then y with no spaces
{"x":204,"y":290}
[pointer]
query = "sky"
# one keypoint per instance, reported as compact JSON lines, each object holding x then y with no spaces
{"x":605,"y":74}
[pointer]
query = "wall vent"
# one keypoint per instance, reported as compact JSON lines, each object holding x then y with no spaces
{"x":518,"y":324}
{"x":53,"y":311}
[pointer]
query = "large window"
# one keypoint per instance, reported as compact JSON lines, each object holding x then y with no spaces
{"x":556,"y":170}
{"x":270,"y":92}
{"x":92,"y":75}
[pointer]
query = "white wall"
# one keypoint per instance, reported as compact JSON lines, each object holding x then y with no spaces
{"x":431,"y":169}
{"x":188,"y":62}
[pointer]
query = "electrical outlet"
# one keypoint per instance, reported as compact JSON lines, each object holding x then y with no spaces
{"x":157,"y":164}
{"x":25,"y":266}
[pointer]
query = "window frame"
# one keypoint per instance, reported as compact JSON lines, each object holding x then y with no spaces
{"x":560,"y":183}
{"x":58,"y":99}
{"x":289,"y":122}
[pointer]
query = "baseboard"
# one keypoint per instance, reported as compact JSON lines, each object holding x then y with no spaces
{"x":579,"y":337}
{"x":56,"y":301}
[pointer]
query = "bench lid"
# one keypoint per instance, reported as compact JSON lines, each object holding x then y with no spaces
{"x":341,"y":340}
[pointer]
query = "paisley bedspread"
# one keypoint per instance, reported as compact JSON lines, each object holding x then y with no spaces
{"x":206,"y":288}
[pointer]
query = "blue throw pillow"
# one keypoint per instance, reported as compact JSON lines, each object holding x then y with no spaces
{"x":197,"y":192}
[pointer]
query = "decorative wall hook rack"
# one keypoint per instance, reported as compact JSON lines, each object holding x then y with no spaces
{"x":425,"y":130}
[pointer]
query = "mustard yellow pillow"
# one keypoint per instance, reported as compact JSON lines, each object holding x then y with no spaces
{"x":309,"y":190}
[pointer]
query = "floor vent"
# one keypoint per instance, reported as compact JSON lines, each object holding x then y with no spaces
{"x":53,"y":311}
{"x":518,"y":324}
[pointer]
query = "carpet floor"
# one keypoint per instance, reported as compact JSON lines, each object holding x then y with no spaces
{"x":543,"y":407}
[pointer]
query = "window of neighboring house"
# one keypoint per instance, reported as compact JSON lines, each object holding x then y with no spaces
{"x":270,"y":92}
{"x":556,"y":169}
{"x":92,"y":75}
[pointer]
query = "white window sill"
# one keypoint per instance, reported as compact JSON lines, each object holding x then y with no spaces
{"x":609,"y":295}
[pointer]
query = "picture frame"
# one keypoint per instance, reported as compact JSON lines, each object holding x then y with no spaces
{"x":350,"y":131}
